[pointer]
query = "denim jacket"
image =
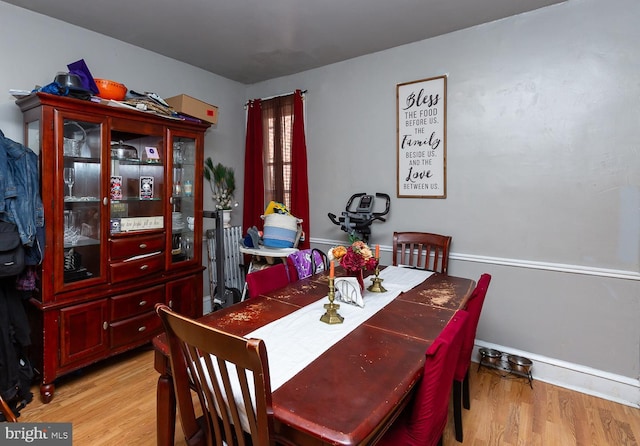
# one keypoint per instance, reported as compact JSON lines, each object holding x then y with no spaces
{"x":22,"y":205}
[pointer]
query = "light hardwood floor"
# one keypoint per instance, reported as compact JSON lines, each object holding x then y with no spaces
{"x":113,"y":403}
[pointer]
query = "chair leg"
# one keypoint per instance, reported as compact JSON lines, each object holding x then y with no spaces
{"x":7,"y":412}
{"x":466,"y":400}
{"x":457,"y":408}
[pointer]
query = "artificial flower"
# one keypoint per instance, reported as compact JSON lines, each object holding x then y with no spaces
{"x":355,"y":257}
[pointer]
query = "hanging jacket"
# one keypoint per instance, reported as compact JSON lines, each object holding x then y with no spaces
{"x":22,"y":205}
{"x":16,"y":373}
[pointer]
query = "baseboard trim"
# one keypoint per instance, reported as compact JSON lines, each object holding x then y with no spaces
{"x":598,"y":383}
{"x":207,"y":305}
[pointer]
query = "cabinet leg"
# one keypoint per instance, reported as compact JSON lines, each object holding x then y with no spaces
{"x":46,"y":392}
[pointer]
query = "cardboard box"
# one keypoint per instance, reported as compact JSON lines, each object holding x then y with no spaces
{"x":193,"y":107}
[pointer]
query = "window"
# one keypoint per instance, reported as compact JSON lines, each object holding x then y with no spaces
{"x":275,"y":162}
{"x":277,"y":118}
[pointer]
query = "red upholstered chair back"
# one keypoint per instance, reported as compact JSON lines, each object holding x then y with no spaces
{"x":427,"y":417}
{"x":473,"y":307}
{"x":267,"y":279}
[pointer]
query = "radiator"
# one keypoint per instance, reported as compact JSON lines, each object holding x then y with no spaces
{"x":233,"y":259}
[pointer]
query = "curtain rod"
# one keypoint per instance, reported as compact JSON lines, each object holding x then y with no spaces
{"x":276,"y":96}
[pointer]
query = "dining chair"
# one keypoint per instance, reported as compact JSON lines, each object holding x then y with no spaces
{"x":306,"y":262}
{"x":461,"y":377}
{"x":230,"y":375}
{"x":421,"y":250}
{"x":267,"y":279}
{"x":6,"y":411}
{"x":424,"y":419}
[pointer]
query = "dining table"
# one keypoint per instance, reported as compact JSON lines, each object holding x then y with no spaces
{"x":334,"y":384}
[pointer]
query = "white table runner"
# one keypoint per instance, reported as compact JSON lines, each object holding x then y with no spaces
{"x":295,"y":340}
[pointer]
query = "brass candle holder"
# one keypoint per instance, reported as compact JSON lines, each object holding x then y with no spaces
{"x":376,"y":285}
{"x":331,"y":316}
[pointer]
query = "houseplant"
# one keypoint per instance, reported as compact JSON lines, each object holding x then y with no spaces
{"x":222,"y":181}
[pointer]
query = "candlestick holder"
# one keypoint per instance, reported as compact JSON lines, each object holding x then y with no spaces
{"x":376,"y":285}
{"x":331,"y":316}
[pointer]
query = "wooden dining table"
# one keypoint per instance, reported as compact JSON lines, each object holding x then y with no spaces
{"x":351,"y":393}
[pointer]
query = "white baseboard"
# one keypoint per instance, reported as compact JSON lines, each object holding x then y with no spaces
{"x":609,"y":386}
{"x":207,"y":306}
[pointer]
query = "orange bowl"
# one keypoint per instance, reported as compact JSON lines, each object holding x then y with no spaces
{"x":110,"y":90}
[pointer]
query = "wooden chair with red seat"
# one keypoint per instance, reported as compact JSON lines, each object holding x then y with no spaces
{"x":461,"y":377}
{"x":7,"y":412}
{"x":422,"y":250}
{"x":230,"y":375}
{"x":424,"y":419}
{"x":267,"y":279}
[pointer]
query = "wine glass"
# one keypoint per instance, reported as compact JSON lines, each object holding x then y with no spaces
{"x":69,"y":178}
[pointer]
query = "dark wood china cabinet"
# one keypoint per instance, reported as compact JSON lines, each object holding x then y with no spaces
{"x":122,"y":193}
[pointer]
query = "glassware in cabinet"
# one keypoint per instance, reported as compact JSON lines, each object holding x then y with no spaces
{"x":80,"y":202}
{"x":183,"y":199}
{"x":136,"y":183}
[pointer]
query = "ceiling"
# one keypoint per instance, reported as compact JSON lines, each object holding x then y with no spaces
{"x":255,"y":40}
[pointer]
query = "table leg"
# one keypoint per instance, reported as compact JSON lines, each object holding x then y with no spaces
{"x":165,"y":411}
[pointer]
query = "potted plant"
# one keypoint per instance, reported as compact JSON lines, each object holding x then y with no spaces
{"x":222,"y":181}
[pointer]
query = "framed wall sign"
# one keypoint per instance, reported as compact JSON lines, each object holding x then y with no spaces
{"x":421,"y":113}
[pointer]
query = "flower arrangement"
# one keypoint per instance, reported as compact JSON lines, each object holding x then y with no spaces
{"x":222,"y":181}
{"x":357,"y":256}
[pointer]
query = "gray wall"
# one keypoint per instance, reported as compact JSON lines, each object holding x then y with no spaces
{"x":542,"y":161}
{"x":543,"y":167}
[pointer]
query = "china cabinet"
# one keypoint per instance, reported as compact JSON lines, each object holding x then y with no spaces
{"x":122,"y":191}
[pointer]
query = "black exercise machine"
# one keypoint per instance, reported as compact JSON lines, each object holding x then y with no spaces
{"x":356,"y":221}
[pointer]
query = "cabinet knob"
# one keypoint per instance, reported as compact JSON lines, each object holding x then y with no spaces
{"x":105,"y":325}
{"x":142,"y":245}
{"x":141,"y":329}
{"x":142,"y":303}
{"x":143,"y":267}
{"x":105,"y":201}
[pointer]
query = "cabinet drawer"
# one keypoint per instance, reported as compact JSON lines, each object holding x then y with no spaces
{"x":136,"y":268}
{"x":123,"y":248}
{"x":135,"y":303}
{"x":135,"y":329}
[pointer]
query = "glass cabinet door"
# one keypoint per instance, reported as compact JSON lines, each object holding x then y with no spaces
{"x":136,"y":183}
{"x":81,"y":200}
{"x":183,"y":199}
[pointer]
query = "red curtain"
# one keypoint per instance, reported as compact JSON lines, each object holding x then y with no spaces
{"x":253,"y":204}
{"x":299,"y":179}
{"x":272,"y":123}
